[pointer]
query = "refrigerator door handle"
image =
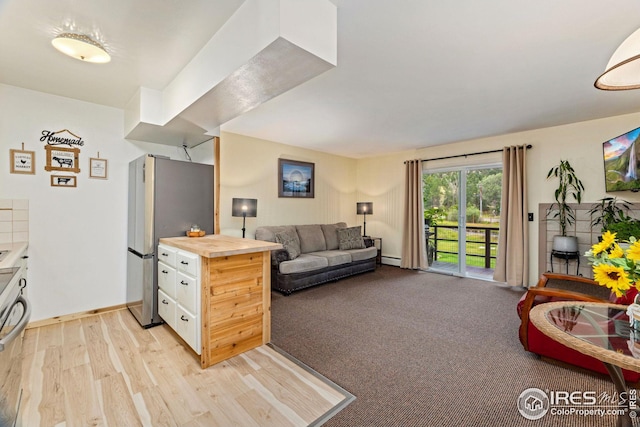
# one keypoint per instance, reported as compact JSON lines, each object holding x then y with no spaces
{"x":150,"y":202}
{"x":139,"y":255}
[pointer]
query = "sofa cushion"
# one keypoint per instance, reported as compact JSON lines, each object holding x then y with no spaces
{"x":334,"y":257}
{"x":330,"y":232}
{"x":311,"y":238}
{"x":362,"y":254}
{"x":304,"y":262}
{"x":267,"y":233}
{"x":350,"y":238}
{"x":289,"y":239}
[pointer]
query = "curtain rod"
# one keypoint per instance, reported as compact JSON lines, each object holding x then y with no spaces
{"x":469,"y":154}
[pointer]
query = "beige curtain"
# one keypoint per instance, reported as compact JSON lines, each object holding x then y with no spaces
{"x":512,"y":264}
{"x":414,"y":250}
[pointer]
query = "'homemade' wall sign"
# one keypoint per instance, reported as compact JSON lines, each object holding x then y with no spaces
{"x":59,"y":138}
{"x":60,"y":158}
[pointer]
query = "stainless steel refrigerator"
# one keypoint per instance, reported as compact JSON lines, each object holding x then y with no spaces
{"x":166,"y":197}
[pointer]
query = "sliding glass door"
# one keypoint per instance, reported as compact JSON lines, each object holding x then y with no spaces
{"x":462,"y":213}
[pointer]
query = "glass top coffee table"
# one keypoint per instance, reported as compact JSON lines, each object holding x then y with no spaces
{"x":596,"y":329}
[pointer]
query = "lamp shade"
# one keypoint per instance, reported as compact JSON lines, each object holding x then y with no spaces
{"x":81,"y":47}
{"x":364,"y":208}
{"x":623,"y":69}
{"x":244,"y":207}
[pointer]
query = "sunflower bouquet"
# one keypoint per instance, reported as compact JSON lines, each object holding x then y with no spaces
{"x":614,"y":267}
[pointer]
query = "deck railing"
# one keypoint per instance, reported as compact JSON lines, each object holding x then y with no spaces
{"x":481,"y":244}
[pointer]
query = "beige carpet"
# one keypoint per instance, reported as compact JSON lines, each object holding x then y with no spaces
{"x":422,"y":349}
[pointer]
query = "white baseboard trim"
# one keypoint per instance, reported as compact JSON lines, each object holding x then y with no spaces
{"x":391,"y":261}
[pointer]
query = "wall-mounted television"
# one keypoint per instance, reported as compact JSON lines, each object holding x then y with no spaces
{"x":621,"y":162}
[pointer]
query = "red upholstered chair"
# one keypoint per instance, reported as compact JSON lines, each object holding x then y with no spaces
{"x":562,"y":287}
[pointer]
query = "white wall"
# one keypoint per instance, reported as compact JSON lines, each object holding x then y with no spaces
{"x":381,"y":180}
{"x":249,"y":169}
{"x":580,"y":143}
{"x":77,"y":236}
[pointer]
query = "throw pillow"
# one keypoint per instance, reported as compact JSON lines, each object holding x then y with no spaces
{"x":289,"y":239}
{"x":350,"y":238}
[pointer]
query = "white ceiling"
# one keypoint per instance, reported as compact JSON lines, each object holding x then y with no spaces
{"x":410,"y":74}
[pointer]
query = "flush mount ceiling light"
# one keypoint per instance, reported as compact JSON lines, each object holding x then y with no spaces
{"x":81,"y":47}
{"x":623,"y":69}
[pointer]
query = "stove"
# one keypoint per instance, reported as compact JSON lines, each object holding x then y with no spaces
{"x":15,"y":311}
{"x":6,"y":274}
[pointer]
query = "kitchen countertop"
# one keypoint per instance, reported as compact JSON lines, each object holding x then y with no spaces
{"x":16,"y":249}
{"x":217,"y":245}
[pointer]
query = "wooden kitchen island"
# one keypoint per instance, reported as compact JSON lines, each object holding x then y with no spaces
{"x":215,"y":292}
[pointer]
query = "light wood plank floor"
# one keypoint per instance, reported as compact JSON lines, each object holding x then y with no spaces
{"x":106,"y":370}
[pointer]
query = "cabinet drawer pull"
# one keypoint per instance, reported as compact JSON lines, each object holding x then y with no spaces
{"x":165,"y":254}
{"x":164,"y":301}
{"x":184,"y":318}
{"x":182,"y":282}
{"x":165,"y":272}
{"x":184,"y":262}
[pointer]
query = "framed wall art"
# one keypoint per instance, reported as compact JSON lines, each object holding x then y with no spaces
{"x":63,"y":181}
{"x":62,"y":159}
{"x":97,"y":168}
{"x":296,"y":179}
{"x":23,"y":161}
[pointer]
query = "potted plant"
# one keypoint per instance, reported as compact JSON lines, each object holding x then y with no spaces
{"x":625,"y":229}
{"x":568,"y":186}
{"x":431,"y":218}
{"x":609,"y":211}
{"x":611,"y":215}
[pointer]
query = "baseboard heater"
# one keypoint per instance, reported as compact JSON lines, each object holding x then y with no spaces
{"x":387,"y":260}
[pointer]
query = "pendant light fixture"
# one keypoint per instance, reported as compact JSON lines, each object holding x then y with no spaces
{"x":623,"y":69}
{"x":81,"y":47}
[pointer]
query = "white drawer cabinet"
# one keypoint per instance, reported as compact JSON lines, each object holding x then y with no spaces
{"x":167,"y":255}
{"x":167,"y":309}
{"x":167,"y":279}
{"x":187,"y":292}
{"x":188,"y":327}
{"x":188,"y":263}
{"x":230,"y":312}
{"x":179,"y":292}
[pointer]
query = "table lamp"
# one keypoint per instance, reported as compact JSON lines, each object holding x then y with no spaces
{"x":364,"y":208}
{"x":244,"y":208}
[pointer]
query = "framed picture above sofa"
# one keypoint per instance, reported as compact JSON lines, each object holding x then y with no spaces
{"x":296,"y":179}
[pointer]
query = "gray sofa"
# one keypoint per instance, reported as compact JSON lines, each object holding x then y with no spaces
{"x":315,"y":254}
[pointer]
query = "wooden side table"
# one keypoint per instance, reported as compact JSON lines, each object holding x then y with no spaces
{"x":377,"y":242}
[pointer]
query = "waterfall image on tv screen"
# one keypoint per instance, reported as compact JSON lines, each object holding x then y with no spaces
{"x":621,"y":162}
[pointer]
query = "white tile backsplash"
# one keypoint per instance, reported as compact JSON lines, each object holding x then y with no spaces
{"x":20,"y":236}
{"x":20,"y":215}
{"x":14,"y":220}
{"x":20,"y":226}
{"x":21,"y":204}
